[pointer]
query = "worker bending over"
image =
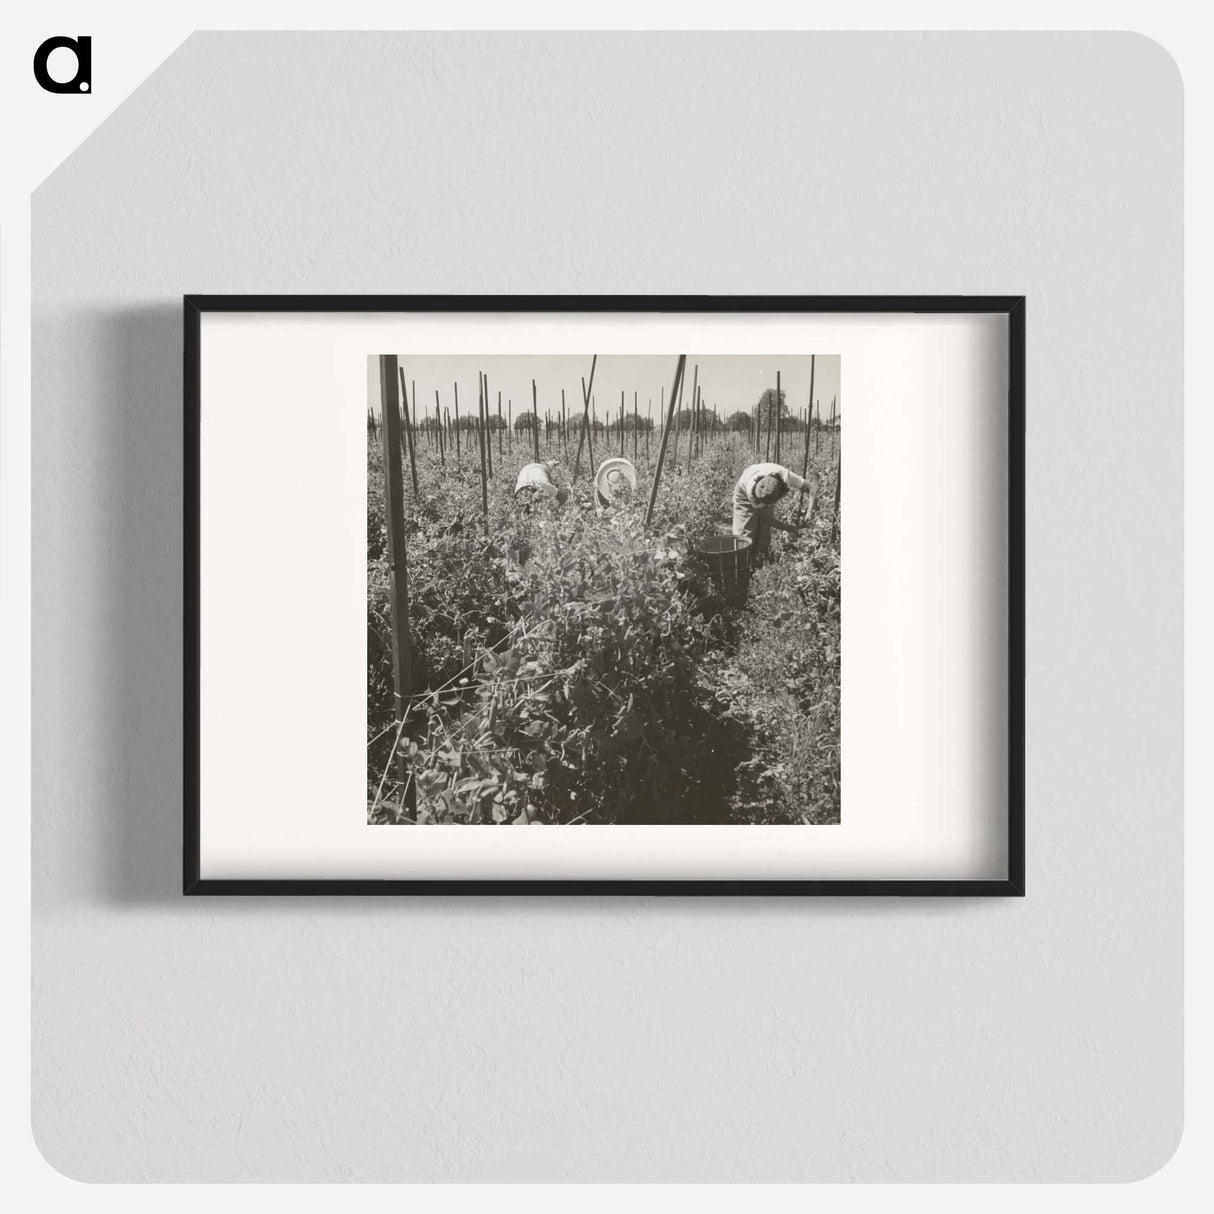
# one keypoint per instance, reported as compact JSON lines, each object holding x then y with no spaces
{"x":535,"y":483}
{"x":755,"y":497}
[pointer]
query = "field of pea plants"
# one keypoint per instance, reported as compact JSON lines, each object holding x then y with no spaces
{"x":568,"y":663}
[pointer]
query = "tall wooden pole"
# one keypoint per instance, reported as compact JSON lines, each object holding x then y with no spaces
{"x":535,"y":422}
{"x":485,"y":423}
{"x":564,"y":426}
{"x":649,"y":427}
{"x":805,"y":459}
{"x":779,"y":427}
{"x":691,"y":424}
{"x":438,"y":425}
{"x":585,"y":434}
{"x":834,"y":527}
{"x":676,"y":394}
{"x":482,"y":410}
{"x":678,"y":422}
{"x":458,"y":444}
{"x":412,"y":438}
{"x":394,"y":517}
{"x":404,"y":409}
{"x":635,"y":425}
{"x":621,"y":422}
{"x":767,"y":442}
{"x":499,"y":424}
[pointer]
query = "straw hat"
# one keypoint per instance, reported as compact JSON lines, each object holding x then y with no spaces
{"x":613,"y":475}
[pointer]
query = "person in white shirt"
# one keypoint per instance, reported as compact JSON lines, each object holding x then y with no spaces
{"x":755,"y":497}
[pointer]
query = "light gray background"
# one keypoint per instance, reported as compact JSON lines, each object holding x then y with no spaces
{"x":630,"y":1039}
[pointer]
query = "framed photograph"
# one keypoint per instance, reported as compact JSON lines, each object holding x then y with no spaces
{"x":590,"y":566}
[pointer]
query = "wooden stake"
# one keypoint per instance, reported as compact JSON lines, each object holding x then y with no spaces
{"x":499,"y":424}
{"x":458,"y":444}
{"x":779,"y":427}
{"x":409,"y":435}
{"x":805,"y":460}
{"x":394,"y":518}
{"x":676,"y":394}
{"x":481,"y":411}
{"x":691,"y":425}
{"x":834,"y":527}
{"x":635,"y":426}
{"x":678,"y":421}
{"x":438,"y":421}
{"x":488,"y":432}
{"x":585,"y":435}
{"x":535,"y":423}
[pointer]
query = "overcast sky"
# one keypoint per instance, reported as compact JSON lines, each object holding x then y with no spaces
{"x":729,"y":382}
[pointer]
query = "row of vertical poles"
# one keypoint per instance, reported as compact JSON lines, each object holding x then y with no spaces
{"x":439,"y":433}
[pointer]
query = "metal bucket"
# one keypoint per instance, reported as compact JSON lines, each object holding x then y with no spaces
{"x":728,"y":561}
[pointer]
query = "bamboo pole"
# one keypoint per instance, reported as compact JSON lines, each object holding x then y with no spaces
{"x":394,"y":518}
{"x":438,"y":425}
{"x":585,"y":432}
{"x":676,"y":393}
{"x":499,"y":425}
{"x":458,"y":443}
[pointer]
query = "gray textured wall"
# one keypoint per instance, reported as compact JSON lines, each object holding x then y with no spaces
{"x":630,"y":1039}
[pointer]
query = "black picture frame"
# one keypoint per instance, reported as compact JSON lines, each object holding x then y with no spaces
{"x":1010,"y":306}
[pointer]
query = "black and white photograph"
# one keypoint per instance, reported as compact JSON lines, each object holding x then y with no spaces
{"x":603,"y":589}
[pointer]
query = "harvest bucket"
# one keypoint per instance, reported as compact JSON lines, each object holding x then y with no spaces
{"x":728,"y":561}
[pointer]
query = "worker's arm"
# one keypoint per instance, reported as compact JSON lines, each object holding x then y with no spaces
{"x":806,"y":484}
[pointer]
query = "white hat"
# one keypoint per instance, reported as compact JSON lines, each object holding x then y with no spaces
{"x":535,"y":476}
{"x":612,"y":475}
